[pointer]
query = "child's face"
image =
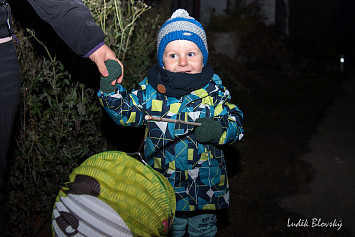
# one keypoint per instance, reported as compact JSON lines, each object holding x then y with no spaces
{"x":183,"y":56}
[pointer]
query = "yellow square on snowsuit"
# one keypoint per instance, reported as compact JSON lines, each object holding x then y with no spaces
{"x":223,"y":138}
{"x":204,"y":156}
{"x":172,"y":165}
{"x":132,"y":118}
{"x":157,"y":163}
{"x":209,"y":207}
{"x":157,"y":105}
{"x":208,"y":100}
{"x":231,"y":106}
{"x":190,"y":154}
{"x":221,"y":180}
{"x":218,"y":109}
{"x":201,"y":93}
{"x":174,"y":108}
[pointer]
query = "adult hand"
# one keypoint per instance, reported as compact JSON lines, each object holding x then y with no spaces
{"x":100,"y":56}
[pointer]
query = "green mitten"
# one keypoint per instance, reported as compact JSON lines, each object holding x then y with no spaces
{"x":208,"y":131}
{"x":114,"y":71}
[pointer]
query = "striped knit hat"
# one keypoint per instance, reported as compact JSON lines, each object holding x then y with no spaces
{"x":181,"y":26}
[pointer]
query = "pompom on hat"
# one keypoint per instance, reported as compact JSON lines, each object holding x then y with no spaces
{"x":181,"y":26}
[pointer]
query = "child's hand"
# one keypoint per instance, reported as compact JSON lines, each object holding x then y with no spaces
{"x":114,"y":71}
{"x":209,"y":130}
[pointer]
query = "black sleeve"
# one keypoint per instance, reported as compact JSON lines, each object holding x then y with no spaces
{"x":73,"y":22}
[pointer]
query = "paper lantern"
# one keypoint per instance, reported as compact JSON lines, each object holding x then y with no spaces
{"x":113,"y":194}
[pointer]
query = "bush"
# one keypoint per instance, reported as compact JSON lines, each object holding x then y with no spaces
{"x":263,"y":51}
{"x":60,"y":122}
{"x":59,"y":127}
{"x":133,"y":42}
{"x":261,"y":48}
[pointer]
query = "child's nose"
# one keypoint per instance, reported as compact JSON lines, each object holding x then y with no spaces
{"x":182,"y":61}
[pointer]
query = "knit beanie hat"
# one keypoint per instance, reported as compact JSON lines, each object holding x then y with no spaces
{"x":181,"y":26}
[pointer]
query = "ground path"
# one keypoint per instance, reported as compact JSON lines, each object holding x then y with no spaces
{"x":331,"y":193}
{"x":296,"y":159}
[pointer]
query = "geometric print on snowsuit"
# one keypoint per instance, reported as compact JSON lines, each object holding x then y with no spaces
{"x":196,"y":171}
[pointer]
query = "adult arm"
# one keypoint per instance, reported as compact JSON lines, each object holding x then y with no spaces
{"x":73,"y":23}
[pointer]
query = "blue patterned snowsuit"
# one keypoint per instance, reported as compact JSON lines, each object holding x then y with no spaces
{"x":196,"y":171}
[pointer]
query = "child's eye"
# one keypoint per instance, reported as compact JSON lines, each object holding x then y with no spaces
{"x":191,"y":54}
{"x":172,"y":56}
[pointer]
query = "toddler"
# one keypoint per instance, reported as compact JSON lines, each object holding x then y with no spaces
{"x":183,"y":86}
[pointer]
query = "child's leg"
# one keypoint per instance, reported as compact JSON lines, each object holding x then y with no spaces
{"x":178,"y":228}
{"x":202,"y":225}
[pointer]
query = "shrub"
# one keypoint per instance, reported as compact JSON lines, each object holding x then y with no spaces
{"x":60,"y":122}
{"x":261,"y":48}
{"x":132,"y":41}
